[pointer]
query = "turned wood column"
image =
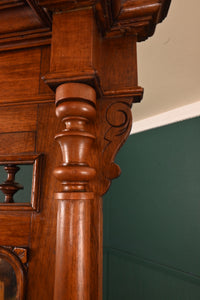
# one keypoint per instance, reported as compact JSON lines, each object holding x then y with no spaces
{"x":75,"y":106}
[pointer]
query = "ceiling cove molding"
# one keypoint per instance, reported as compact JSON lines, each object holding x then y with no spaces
{"x":172,"y":116}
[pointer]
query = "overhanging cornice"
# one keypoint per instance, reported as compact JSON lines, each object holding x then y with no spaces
{"x":119,"y":17}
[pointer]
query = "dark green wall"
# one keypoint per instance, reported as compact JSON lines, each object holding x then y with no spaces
{"x":152,"y":217}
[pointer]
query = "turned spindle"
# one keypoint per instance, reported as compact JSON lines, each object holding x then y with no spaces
{"x":75,"y":106}
{"x":10,"y":187}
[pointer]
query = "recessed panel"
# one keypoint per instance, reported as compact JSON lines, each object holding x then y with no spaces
{"x":18,"y":118}
{"x":19,"y":142}
{"x":19,"y":73}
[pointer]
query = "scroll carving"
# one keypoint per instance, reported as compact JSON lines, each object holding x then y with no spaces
{"x":118,"y":124}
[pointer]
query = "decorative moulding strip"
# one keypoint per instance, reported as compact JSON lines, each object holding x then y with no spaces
{"x":21,"y":41}
{"x":24,"y":100}
{"x":91,"y":77}
{"x":175,"y":115}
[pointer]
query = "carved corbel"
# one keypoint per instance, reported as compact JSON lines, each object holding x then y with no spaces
{"x":115,"y":121}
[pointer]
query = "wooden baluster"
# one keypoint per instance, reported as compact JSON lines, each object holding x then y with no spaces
{"x":75,"y":105}
{"x":10,"y":187}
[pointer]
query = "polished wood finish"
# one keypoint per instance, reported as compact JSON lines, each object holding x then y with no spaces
{"x":19,"y":142}
{"x":75,"y":105}
{"x":15,"y":228}
{"x":88,"y":60}
{"x":96,"y":66}
{"x":13,"y":118}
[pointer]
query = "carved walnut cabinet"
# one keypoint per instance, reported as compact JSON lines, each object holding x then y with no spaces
{"x":68,"y":78}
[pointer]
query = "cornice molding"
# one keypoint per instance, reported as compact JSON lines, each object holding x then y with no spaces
{"x":114,"y":18}
{"x":118,"y":17}
{"x":137,"y":17}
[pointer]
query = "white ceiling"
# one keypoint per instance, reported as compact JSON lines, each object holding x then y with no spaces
{"x":169,"y":62}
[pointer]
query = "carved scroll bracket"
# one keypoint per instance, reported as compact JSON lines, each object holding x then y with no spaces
{"x":115,"y":122}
